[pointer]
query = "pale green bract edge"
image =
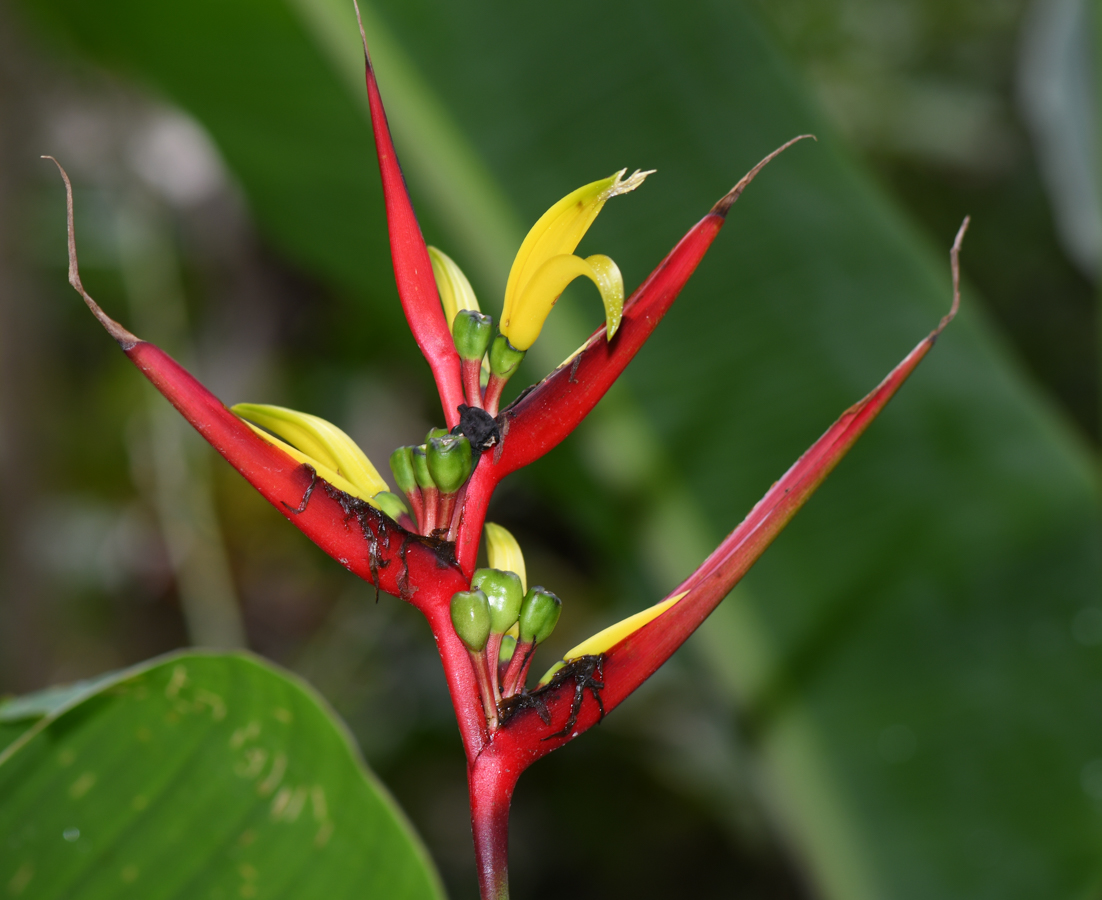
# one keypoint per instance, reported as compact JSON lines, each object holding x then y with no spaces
{"x":49,"y":700}
{"x":486,"y":230}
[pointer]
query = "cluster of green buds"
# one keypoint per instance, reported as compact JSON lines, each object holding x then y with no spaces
{"x":501,"y":621}
{"x":433,"y":476}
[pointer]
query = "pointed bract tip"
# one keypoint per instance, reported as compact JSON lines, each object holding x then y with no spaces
{"x":728,"y":200}
{"x":363,"y":36}
{"x":954,"y":264}
{"x":125,"y":339}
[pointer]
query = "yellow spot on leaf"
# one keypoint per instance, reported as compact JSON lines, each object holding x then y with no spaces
{"x":217,"y":704}
{"x":323,"y":835}
{"x":248,"y":889}
{"x":66,"y":757}
{"x":317,"y":801}
{"x":279,"y":803}
{"x":21,"y":879}
{"x":253,"y":763}
{"x":275,"y":776}
{"x":82,"y":785}
{"x":243,"y":734}
{"x":284,"y":715}
{"x":247,"y":837}
{"x":144,"y":735}
{"x":177,"y":681}
{"x":247,"y":872}
{"x":139,"y":803}
{"x":129,"y":874}
{"x":294,"y":808}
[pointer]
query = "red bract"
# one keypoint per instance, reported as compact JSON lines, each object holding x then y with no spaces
{"x":428,"y":570}
{"x":412,"y":268}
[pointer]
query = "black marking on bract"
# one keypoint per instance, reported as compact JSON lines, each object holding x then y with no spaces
{"x":510,"y":706}
{"x":374,"y":525}
{"x":301,"y":508}
{"x":524,"y":394}
{"x":378,"y":528}
{"x":504,"y":418}
{"x":574,"y":369}
{"x":403,"y":577}
{"x":478,"y":426}
{"x":581,"y":672}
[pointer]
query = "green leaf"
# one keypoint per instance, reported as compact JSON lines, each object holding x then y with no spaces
{"x":198,"y":775}
{"x":903,"y":658}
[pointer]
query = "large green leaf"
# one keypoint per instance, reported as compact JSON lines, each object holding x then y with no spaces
{"x":197,"y":775}
{"x":904,"y":657}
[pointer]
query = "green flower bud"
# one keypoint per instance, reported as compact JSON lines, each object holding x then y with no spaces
{"x":390,"y":503}
{"x":472,"y":331}
{"x":504,"y":357}
{"x":449,"y":461}
{"x":505,"y":594}
{"x":539,"y":614}
{"x":421,"y":469}
{"x":471,"y":619}
{"x":436,"y":432}
{"x":401,"y":464}
{"x":508,"y":647}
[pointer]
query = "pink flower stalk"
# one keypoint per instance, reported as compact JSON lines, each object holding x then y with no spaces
{"x":313,"y":474}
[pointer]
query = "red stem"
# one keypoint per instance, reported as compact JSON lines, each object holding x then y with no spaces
{"x":460,"y":676}
{"x":480,"y":488}
{"x":491,"y":780}
{"x":485,"y":686}
{"x":494,"y":387}
{"x":431,"y":498}
{"x":417,"y":504}
{"x":457,"y":513}
{"x":518,"y":669}
{"x":493,"y":648}
{"x":446,"y":506}
{"x":472,"y":381}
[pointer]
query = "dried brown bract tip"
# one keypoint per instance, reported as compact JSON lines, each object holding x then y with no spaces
{"x":728,"y":200}
{"x":954,"y":264}
{"x":125,"y":339}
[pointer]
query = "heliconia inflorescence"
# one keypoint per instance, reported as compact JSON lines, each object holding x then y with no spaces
{"x":488,"y":622}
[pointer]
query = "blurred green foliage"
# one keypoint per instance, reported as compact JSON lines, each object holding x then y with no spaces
{"x":254,"y":790}
{"x":902,"y":698}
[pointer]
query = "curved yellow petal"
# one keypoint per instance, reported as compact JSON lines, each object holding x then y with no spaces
{"x":320,"y":441}
{"x":503,"y":552}
{"x":530,"y":310}
{"x":559,"y":230}
{"x":455,"y":290}
{"x":612,"y":635}
{"x":323,"y":471}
